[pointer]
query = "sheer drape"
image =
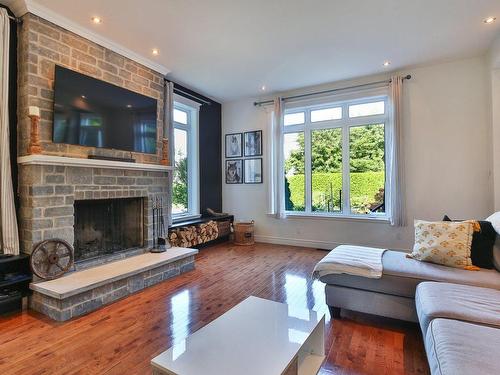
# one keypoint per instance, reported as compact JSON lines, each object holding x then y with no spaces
{"x":9,"y":237}
{"x":278,"y":173}
{"x":168,"y":121}
{"x":395,"y":156}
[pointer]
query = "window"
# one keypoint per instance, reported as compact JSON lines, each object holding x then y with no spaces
{"x":185,"y":189}
{"x":334,"y":157}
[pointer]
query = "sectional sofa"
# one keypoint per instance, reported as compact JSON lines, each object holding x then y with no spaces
{"x":458,"y":310}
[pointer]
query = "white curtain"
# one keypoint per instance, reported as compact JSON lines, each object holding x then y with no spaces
{"x":278,"y":172}
{"x":9,"y":236}
{"x":168,"y":121}
{"x":395,"y":156}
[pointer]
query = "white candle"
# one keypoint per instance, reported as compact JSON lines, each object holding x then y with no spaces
{"x":33,"y":111}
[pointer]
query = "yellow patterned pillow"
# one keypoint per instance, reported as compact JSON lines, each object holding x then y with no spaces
{"x":442,"y":242}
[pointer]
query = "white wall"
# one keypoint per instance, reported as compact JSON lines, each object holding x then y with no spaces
{"x":495,"y":112}
{"x":448,"y":151}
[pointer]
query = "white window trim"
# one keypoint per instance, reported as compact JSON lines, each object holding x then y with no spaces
{"x":192,"y":128}
{"x":341,"y":100}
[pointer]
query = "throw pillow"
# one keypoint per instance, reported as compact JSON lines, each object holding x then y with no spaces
{"x":496,"y":254}
{"x":483,"y":241}
{"x":445,"y":243}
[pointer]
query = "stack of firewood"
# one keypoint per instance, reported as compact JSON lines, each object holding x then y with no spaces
{"x":193,"y":235}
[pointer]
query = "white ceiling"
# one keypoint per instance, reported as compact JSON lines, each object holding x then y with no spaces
{"x":228,"y":49}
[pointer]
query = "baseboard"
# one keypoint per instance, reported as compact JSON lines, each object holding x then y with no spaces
{"x":297,"y":242}
{"x":315,"y":244}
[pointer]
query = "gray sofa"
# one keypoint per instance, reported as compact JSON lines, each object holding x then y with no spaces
{"x":458,"y":310}
{"x":393,"y":295}
{"x":461,"y":328}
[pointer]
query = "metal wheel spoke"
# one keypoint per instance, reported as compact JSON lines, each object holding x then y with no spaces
{"x":60,"y":267}
{"x":44,"y":249}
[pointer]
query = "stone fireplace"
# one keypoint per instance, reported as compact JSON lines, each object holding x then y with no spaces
{"x":102,"y":208}
{"x":107,"y":226}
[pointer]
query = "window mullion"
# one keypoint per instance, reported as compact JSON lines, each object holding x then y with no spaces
{"x":346,"y":181}
{"x":307,"y":169}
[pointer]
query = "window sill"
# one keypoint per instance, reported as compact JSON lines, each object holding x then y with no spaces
{"x":178,"y":219}
{"x":303,"y":215}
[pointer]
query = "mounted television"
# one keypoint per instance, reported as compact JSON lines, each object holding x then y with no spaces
{"x":94,"y":113}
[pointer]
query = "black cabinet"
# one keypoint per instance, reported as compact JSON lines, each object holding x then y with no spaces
{"x":15,"y":277}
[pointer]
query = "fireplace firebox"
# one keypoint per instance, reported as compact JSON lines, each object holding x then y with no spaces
{"x":106,"y":226}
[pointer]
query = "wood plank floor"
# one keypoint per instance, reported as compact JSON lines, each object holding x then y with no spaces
{"x":123,"y":337}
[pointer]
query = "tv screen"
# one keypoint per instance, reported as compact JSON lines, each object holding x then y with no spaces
{"x":90,"y":112}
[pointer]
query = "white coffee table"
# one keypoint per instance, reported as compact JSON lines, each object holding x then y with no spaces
{"x":256,"y":337}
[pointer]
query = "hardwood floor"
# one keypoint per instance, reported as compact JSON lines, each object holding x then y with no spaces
{"x":123,"y":337}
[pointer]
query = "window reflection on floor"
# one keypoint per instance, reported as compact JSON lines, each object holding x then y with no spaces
{"x":180,"y":315}
{"x":302,"y":293}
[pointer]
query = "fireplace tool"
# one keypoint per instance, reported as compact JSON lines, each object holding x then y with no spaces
{"x":160,"y":241}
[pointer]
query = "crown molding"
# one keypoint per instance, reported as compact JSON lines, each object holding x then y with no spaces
{"x":18,"y":7}
{"x":21,"y":7}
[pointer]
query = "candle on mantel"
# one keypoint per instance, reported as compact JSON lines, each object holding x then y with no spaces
{"x":33,"y":111}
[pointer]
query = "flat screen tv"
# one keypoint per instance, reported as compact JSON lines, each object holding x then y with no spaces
{"x":94,"y":113}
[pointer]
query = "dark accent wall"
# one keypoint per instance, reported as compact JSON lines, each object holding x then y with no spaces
{"x":210,"y":150}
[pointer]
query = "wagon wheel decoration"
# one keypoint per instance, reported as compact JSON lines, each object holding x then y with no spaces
{"x":51,"y":259}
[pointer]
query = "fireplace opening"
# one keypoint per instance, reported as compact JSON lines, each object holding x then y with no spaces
{"x":106,"y":226}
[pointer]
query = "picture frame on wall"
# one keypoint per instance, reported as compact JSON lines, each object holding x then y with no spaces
{"x":234,"y":171}
{"x":253,"y":143}
{"x":252,"y":171}
{"x":234,"y":145}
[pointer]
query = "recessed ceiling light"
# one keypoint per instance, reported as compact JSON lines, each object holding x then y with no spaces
{"x":387,"y":63}
{"x":96,"y":20}
{"x":489,"y":20}
{"x":263,"y":87}
{"x":155,"y":51}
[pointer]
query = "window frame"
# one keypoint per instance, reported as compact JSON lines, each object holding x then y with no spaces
{"x":343,"y":101}
{"x":192,"y":128}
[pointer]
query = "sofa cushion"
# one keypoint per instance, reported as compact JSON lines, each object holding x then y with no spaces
{"x":459,"y":348}
{"x":460,"y":302}
{"x":401,"y":276}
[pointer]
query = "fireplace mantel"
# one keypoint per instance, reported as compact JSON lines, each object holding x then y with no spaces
{"x":90,"y":163}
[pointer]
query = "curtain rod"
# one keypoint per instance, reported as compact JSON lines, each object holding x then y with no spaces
{"x":194,"y":97}
{"x":15,"y":19}
{"x":327,"y":91}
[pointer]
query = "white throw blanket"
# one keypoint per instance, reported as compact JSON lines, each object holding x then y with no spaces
{"x":351,"y":260}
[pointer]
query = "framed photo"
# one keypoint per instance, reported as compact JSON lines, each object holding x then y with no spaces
{"x":234,"y":145}
{"x":253,"y":143}
{"x":234,"y":171}
{"x":253,"y":171}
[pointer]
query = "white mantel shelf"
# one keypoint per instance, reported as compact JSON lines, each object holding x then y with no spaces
{"x":90,"y":163}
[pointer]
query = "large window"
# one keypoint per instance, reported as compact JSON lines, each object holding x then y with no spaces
{"x":185,"y":190}
{"x":334,"y":157}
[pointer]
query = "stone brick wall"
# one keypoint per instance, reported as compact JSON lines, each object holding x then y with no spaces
{"x":48,"y":194}
{"x":42,"y":45}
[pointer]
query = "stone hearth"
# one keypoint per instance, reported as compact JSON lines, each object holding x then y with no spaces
{"x":84,"y":291}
